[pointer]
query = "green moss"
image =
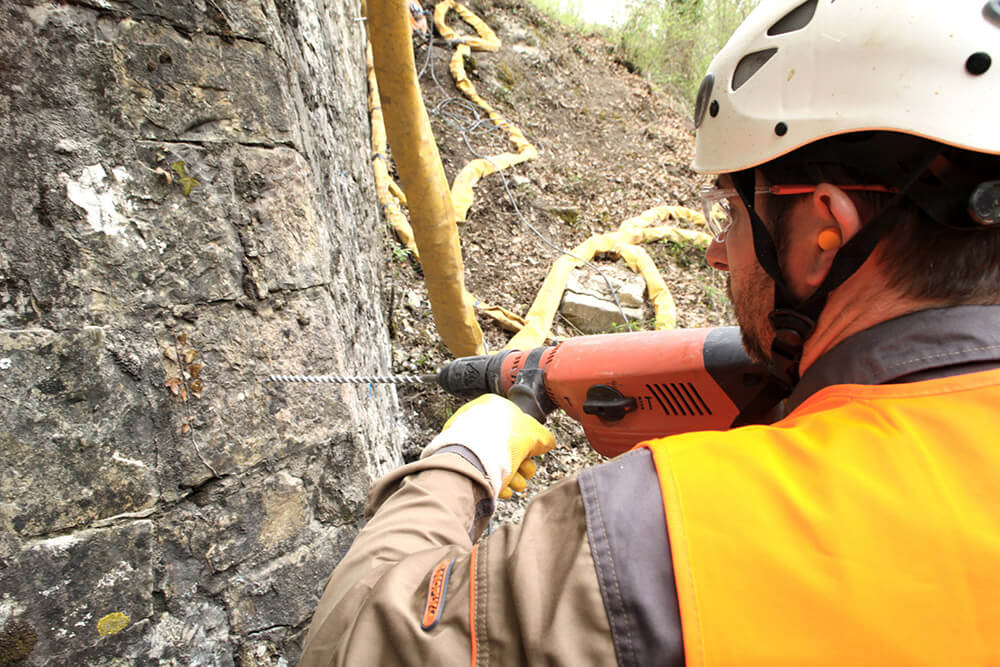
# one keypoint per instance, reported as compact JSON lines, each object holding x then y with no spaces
{"x":506,"y":75}
{"x":686,"y":255}
{"x":568,"y":214}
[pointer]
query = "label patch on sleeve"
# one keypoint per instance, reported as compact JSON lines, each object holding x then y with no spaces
{"x":437,"y":588}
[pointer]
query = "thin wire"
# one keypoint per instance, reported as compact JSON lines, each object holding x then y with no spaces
{"x":434,"y":74}
{"x":485,"y":122}
{"x":430,"y":46}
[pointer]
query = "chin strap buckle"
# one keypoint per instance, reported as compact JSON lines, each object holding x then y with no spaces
{"x":791,"y":331}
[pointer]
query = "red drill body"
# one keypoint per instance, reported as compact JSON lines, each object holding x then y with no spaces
{"x":623,"y":388}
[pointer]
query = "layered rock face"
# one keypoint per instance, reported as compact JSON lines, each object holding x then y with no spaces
{"x":186,"y":206}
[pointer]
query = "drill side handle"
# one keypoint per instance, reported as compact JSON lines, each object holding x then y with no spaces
{"x":528,"y":391}
{"x":529,"y":394}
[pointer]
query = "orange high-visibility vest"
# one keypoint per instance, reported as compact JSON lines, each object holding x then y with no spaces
{"x":862,"y":529}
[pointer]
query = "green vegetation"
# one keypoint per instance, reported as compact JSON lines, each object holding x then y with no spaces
{"x":506,"y":75}
{"x":671,"y":42}
{"x":566,"y":12}
{"x":401,"y":254}
{"x":188,"y":183}
{"x":686,"y":255}
{"x":633,"y":325}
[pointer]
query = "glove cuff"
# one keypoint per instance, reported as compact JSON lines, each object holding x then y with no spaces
{"x":492,"y":456}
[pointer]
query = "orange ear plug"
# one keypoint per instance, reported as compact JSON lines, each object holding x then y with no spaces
{"x":830,"y":239}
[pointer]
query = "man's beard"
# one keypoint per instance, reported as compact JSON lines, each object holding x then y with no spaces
{"x":751,"y":324}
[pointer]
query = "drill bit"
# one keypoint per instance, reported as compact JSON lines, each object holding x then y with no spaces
{"x":430,"y":378}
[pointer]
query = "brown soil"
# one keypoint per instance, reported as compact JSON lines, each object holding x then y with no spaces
{"x":611,"y":146}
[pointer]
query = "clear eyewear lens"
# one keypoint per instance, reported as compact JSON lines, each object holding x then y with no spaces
{"x":718,"y":215}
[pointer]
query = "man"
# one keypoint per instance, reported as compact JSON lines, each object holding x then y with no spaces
{"x":857,"y":211}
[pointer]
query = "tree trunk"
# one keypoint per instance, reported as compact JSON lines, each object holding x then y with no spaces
{"x":186,"y":207}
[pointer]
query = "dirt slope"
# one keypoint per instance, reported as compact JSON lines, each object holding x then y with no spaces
{"x":610,"y":147}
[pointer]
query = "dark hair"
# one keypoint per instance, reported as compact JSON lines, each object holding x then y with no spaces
{"x":951,"y":260}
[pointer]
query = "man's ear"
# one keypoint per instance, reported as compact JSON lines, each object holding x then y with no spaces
{"x":836,"y":219}
{"x":837,"y":206}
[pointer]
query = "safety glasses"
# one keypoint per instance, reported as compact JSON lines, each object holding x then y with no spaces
{"x":718,"y":204}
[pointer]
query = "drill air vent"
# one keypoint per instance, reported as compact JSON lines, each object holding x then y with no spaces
{"x":679,"y":399}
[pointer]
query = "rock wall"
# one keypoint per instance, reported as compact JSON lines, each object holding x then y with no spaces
{"x":186,"y":206}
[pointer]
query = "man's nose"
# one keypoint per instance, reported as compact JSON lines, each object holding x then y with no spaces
{"x":716,"y":253}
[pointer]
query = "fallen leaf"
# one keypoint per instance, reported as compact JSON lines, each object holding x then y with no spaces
{"x":166,"y":175}
{"x":170,"y":353}
{"x":189,"y":355}
{"x":189,"y":184}
{"x":195,"y":370}
{"x":195,"y":386}
{"x":176,"y":387}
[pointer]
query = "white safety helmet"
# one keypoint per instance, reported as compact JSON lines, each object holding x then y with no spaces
{"x":796,"y":72}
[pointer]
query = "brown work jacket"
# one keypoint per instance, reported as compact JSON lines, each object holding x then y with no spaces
{"x":587,"y":578}
{"x":526,"y":594}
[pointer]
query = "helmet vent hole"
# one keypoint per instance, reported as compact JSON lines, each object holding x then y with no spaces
{"x":749,"y":65}
{"x":992,"y":12}
{"x":713,"y":109}
{"x":978,"y":63}
{"x":781,"y":129}
{"x":794,"y":20}
{"x":701,"y":103}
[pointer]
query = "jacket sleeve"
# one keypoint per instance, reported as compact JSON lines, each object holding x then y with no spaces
{"x":522,"y":595}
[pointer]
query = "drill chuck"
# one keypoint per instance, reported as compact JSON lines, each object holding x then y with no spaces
{"x":470,"y":377}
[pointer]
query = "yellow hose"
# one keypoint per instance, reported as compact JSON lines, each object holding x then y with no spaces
{"x":624,"y":242}
{"x":465,"y":181}
{"x":487,"y":40}
{"x":389,"y":194}
{"x":462,"y":187}
{"x":434,"y":209}
{"x":422,"y":177}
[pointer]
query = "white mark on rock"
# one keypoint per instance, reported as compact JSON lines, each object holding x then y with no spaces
{"x":5,"y":364}
{"x":49,"y":592}
{"x":40,"y":15}
{"x":102,"y":197}
{"x":60,"y":543}
{"x":127,"y":461}
{"x":9,"y":608}
{"x":68,"y":146}
{"x":113,"y":577}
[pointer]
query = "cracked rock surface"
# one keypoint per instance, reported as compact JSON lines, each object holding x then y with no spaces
{"x":187,"y":207}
